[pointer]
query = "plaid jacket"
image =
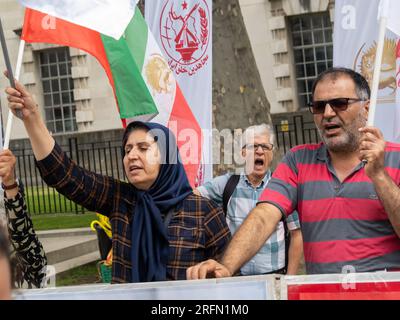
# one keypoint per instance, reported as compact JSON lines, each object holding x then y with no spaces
{"x":198,"y":231}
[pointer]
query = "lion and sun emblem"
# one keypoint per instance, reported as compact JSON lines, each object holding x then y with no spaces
{"x":366,"y":60}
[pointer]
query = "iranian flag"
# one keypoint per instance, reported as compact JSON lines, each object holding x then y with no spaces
{"x":143,"y":84}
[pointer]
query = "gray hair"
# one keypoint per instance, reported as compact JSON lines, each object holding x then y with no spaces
{"x":260,"y":130}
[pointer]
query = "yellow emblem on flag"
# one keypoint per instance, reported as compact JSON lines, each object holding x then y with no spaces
{"x":366,"y":61}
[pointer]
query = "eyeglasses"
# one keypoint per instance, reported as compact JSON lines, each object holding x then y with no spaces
{"x":264,"y":146}
{"x":338,"y":104}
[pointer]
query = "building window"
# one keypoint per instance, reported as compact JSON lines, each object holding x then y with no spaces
{"x":313,"y":50}
{"x":58,"y":90}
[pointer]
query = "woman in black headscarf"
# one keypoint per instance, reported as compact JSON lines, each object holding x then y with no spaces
{"x":160,"y":228}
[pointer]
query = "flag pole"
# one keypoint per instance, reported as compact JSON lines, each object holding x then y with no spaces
{"x":383,"y":21}
{"x":10,"y":119}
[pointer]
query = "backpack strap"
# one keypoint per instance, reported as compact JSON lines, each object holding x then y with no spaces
{"x":228,"y":191}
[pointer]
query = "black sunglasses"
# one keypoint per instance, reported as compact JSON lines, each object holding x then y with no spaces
{"x":338,"y":104}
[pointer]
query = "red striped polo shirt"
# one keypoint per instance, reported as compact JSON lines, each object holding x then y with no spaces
{"x":344,"y":225}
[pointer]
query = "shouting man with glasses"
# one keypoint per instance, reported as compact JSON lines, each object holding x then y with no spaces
{"x":345,"y":189}
{"x":238,"y":195}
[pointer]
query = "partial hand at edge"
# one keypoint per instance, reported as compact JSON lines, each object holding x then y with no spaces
{"x":207,"y":269}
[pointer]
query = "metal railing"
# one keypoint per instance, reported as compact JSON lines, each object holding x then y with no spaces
{"x":103,"y":158}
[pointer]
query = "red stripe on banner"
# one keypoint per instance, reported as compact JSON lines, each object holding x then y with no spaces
{"x":349,"y":250}
{"x":341,"y":208}
{"x":378,"y":290}
{"x":275,"y":197}
{"x":188,"y":135}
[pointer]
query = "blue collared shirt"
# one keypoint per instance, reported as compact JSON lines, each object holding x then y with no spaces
{"x":271,"y":256}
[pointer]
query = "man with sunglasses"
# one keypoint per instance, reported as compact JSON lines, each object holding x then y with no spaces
{"x":238,"y":195}
{"x":345,"y":189}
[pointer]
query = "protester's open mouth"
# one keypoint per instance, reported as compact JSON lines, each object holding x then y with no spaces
{"x":259,"y":163}
{"x":332,"y":128}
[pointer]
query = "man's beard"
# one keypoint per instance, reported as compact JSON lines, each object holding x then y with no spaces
{"x":349,"y":141}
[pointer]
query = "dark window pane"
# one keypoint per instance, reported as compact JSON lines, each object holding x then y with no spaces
{"x":69,"y":125}
{"x":307,"y":38}
{"x":56,"y":99}
{"x":67,"y":112}
{"x":50,"y":126}
{"x":317,"y":22}
{"x":320,"y":53}
{"x":309,"y":54}
{"x":298,"y":56}
{"x":330,"y":63}
{"x":57,"y":113}
{"x":71,"y":83}
{"x":53,"y":70}
{"x":321,"y":67}
{"x":327,"y":21}
{"x":66,"y":98}
{"x":52,"y":57}
{"x":46,"y":86}
{"x":310,"y":84}
{"x":310,"y":70}
{"x":328,"y":35}
{"x":296,"y":24}
{"x":62,"y":56}
{"x":64,"y":84}
{"x":318,"y":36}
{"x":59,"y":126}
{"x":63,"y":69}
{"x":306,"y":23}
{"x":300,"y":71}
{"x":329,"y":52}
{"x":45,"y":71}
{"x":55,"y":85}
{"x":49,"y":114}
{"x":297,"y":39}
{"x":44,"y":58}
{"x":47,"y":100}
{"x":301,"y":86}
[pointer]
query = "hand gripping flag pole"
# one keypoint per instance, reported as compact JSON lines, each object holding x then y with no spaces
{"x":11,"y":79}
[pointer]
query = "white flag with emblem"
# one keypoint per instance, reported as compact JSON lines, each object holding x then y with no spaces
{"x":355,"y":45}
{"x":183,"y":29}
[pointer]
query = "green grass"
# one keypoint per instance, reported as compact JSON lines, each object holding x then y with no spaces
{"x":86,"y":274}
{"x":62,"y":221}
{"x":47,"y":200}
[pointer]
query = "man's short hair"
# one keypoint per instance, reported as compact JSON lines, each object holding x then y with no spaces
{"x":363,"y":90}
{"x":259,"y":130}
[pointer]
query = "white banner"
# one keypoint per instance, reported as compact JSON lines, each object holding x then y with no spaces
{"x":355,"y":41}
{"x":183,"y":29}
